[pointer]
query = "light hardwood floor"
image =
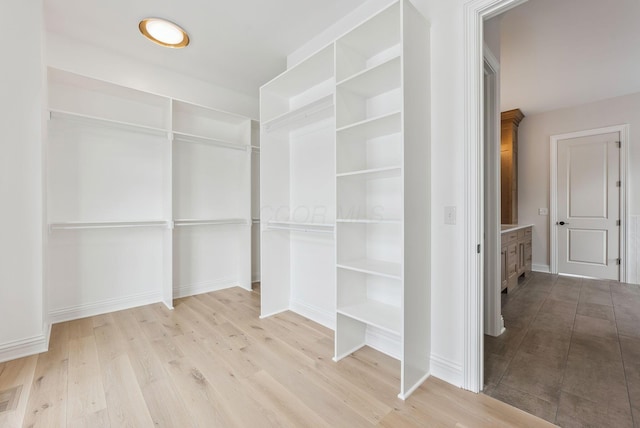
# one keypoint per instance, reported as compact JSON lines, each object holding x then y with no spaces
{"x":211,"y":362}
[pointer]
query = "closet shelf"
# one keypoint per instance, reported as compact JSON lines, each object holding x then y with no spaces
{"x":374,"y":81}
{"x":105,"y":123}
{"x":378,"y":126}
{"x":376,"y":314}
{"x":373,"y":173}
{"x":373,"y":267}
{"x":371,"y":78}
{"x":301,"y":227}
{"x":209,"y":222}
{"x":196,"y":139}
{"x":107,"y":224}
{"x":301,"y":116}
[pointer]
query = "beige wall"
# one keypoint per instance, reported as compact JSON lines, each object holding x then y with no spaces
{"x":533,"y":158}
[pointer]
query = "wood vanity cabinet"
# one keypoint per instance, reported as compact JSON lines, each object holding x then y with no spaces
{"x":515,"y":255}
{"x":510,"y":120}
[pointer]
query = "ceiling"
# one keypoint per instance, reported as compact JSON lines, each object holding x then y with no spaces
{"x":238,"y":44}
{"x":561,"y":53}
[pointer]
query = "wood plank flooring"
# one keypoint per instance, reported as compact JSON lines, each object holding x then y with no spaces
{"x":211,"y":362}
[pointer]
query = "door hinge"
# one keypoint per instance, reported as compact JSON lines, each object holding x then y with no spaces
{"x":619,"y":144}
{"x":617,"y":222}
{"x":618,"y":183}
{"x":478,"y":249}
{"x":618,"y":261}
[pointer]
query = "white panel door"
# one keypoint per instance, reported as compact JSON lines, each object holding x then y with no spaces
{"x":589,"y":206}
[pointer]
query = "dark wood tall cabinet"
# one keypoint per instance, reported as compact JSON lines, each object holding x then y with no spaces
{"x":509,"y":165}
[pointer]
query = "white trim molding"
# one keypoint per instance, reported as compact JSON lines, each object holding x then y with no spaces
{"x":447,"y":370}
{"x":540,"y":268}
{"x":25,"y":347}
{"x":203,"y":287}
{"x":104,"y":306}
{"x":475,"y":12}
{"x":623,"y":130}
{"x":322,"y":317}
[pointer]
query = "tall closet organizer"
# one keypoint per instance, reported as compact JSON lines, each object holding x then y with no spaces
{"x":345,"y":190}
{"x":148,"y":198}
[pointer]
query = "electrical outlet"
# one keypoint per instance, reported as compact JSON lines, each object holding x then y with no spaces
{"x":543,"y":211}
{"x":449,"y":215}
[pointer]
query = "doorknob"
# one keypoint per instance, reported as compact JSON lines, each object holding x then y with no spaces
{"x":561,"y":223}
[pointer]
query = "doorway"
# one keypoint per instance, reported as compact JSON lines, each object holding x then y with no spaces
{"x":587,"y":203}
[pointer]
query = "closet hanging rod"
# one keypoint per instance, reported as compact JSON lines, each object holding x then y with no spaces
{"x":189,"y":138}
{"x":299,"y":114}
{"x":299,"y":229}
{"x":106,"y":225}
{"x":220,"y":222}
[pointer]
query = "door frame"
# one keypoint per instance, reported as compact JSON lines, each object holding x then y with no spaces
{"x":475,"y":12}
{"x":490,"y":164}
{"x":553,"y":192}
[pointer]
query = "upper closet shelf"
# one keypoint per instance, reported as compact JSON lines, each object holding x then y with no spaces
{"x":189,"y":138}
{"x":309,"y":113}
{"x":107,"y":224}
{"x":374,"y":173}
{"x":374,"y":127}
{"x":105,"y":123}
{"x":374,"y":80}
{"x":212,"y":222}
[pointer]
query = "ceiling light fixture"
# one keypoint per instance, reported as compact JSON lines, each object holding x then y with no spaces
{"x":163,"y":32}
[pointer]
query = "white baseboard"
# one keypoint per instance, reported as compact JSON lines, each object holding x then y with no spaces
{"x":385,"y":342}
{"x":25,"y":347}
{"x":541,"y":268}
{"x":204,"y":287}
{"x":447,"y":370}
{"x":104,"y":306}
{"x":322,"y":317}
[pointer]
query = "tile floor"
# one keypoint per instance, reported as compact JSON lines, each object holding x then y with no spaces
{"x":570,"y":353}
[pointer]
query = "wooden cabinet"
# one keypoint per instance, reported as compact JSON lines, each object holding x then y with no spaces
{"x":515,"y":256}
{"x":509,"y":165}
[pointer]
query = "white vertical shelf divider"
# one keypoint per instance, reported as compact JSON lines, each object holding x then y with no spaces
{"x":167,"y":264}
{"x":111,"y":192}
{"x":381,"y":236}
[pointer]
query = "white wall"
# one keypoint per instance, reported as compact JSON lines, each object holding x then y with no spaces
{"x":533,"y":160}
{"x":22,"y":328}
{"x":89,"y":60}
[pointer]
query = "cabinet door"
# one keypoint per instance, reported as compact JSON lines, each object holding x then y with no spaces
{"x":503,"y":268}
{"x":528,"y":255}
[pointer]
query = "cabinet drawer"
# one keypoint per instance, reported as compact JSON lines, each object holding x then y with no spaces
{"x":509,"y":237}
{"x":521,"y":233}
{"x":528,"y":232}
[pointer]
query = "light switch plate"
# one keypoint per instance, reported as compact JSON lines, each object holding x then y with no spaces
{"x":449,"y":215}
{"x":543,"y":211}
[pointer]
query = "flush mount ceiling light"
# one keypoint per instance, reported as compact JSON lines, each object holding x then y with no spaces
{"x":164,"y":33}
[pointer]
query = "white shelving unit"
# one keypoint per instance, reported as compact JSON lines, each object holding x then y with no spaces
{"x":116,"y":188}
{"x":297,"y":190}
{"x":380,"y":136}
